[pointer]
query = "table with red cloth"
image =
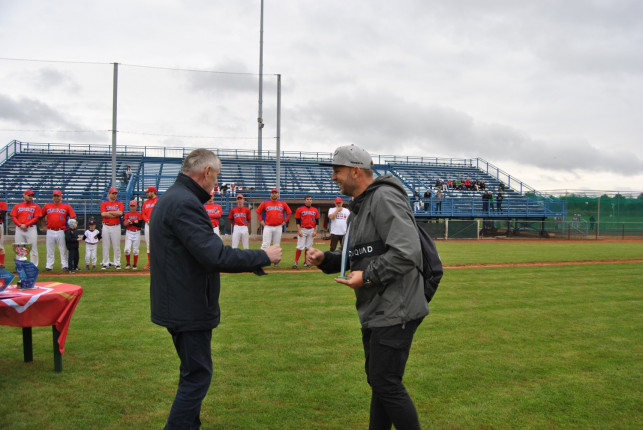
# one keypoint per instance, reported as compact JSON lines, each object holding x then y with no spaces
{"x":48,"y":304}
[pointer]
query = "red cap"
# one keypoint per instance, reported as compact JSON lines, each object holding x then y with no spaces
{"x":151,"y":190}
{"x":274,"y":190}
{"x":239,"y":196}
{"x":112,"y":190}
{"x":57,"y":193}
{"x":133,"y":203}
{"x":338,"y":200}
{"x":29,"y":193}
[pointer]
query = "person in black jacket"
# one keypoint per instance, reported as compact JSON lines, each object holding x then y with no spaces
{"x":184,"y":280}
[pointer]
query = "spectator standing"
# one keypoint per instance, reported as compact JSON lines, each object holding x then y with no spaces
{"x":307,"y":219}
{"x":239,"y":219}
{"x":185,"y":281}
{"x":3,"y":213}
{"x":91,"y":237}
{"x":54,"y":222}
{"x":499,"y":199}
{"x":438,"y":201}
{"x":427,"y":199}
{"x":111,"y":210}
{"x":416,"y":202}
{"x":214,"y":213}
{"x":133,"y":221}
{"x":338,"y":216}
{"x":25,"y":215}
{"x":146,"y":211}
{"x":71,"y":241}
{"x":383,"y":255}
{"x":273,"y":215}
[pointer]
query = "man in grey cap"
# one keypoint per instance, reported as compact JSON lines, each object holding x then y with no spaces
{"x":382,"y":250}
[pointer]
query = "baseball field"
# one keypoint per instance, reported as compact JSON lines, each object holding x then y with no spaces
{"x":521,"y":335}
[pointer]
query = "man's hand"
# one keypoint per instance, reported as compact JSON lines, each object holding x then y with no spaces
{"x":355,"y":279}
{"x":314,"y":257}
{"x":299,"y":232}
{"x":274,"y":253}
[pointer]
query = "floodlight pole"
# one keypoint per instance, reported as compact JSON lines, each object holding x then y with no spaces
{"x":278,"y":167}
{"x":114,"y":105}
{"x":260,"y":116}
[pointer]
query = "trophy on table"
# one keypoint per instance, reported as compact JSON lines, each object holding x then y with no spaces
{"x":27,"y":271}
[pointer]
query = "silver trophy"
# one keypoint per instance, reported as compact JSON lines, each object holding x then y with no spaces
{"x":22,"y":250}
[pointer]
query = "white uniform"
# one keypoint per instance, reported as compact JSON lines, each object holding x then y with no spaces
{"x":91,"y":246}
{"x":56,"y":238}
{"x":271,"y":233}
{"x":112,"y":237}
{"x":132,"y":241}
{"x":240,"y":233}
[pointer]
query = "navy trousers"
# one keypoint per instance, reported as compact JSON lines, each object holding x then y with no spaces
{"x":195,"y":351}
{"x":386,"y":350}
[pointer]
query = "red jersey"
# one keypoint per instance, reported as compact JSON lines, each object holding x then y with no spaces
{"x":274,"y":212}
{"x":56,"y":215}
{"x":108,"y":206}
{"x":3,"y":208}
{"x":146,"y":210}
{"x":240,"y":215}
{"x":26,"y":213}
{"x":214,"y":212}
{"x":307,"y":216}
{"x":134,"y":219}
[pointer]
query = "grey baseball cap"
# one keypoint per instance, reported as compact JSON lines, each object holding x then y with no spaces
{"x":351,"y":156}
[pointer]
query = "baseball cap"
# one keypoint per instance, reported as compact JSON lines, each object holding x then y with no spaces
{"x":274,"y":190}
{"x":351,"y":156}
{"x":239,"y":196}
{"x":91,"y":221}
{"x":338,"y":200}
{"x":133,"y":203}
{"x":151,"y":190}
{"x":29,"y":192}
{"x":113,"y":190}
{"x":57,"y":193}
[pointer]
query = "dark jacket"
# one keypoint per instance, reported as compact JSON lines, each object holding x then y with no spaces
{"x":71,"y":238}
{"x":187,"y":258}
{"x":384,"y":243}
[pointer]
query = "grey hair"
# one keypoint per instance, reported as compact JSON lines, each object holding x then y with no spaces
{"x":199,"y":159}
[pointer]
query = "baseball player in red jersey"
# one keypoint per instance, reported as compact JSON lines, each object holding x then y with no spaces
{"x":132,"y":221}
{"x":271,"y":215}
{"x":111,"y":210}
{"x":146,"y":211}
{"x":25,"y":215}
{"x":3,"y":212}
{"x":307,"y":218}
{"x":214,"y":212}
{"x":239,"y":219}
{"x":54,"y":221}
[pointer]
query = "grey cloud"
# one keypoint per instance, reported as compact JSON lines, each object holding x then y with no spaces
{"x":32,"y":112}
{"x":388,"y":124}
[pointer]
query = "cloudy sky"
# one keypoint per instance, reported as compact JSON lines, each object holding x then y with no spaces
{"x":550,"y":91}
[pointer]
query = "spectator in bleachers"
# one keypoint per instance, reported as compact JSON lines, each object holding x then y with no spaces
{"x":3,"y":213}
{"x":25,"y":215}
{"x":483,"y":186}
{"x":416,"y":201}
{"x":501,"y":187}
{"x":54,"y":221}
{"x":499,"y":202}
{"x":111,"y":210}
{"x":438,"y":184}
{"x":427,"y":199}
{"x":485,"y":202}
{"x":476,"y":185}
{"x":127,"y":174}
{"x":449,"y":184}
{"x":458,"y":184}
{"x":438,"y":201}
{"x":467,"y":184}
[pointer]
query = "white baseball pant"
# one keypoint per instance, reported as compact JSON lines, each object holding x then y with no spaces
{"x":29,"y":236}
{"x":56,"y":238}
{"x":305,"y":241}
{"x":147,"y":237}
{"x":132,"y":242}
{"x":90,"y":254}
{"x":240,"y":232}
{"x":271,"y":233}
{"x":111,"y":237}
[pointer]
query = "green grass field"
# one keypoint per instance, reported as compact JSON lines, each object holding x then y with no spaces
{"x":504,"y":348}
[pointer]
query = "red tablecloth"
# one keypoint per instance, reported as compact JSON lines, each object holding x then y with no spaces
{"x":48,"y":304}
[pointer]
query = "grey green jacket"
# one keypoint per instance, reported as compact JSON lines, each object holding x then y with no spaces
{"x":384,"y":243}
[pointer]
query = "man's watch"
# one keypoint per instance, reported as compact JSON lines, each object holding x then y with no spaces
{"x":366,"y":282}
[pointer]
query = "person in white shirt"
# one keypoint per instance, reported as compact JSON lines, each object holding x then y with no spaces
{"x":337,"y":216}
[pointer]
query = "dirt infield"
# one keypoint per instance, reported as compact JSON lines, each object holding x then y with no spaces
{"x":113,"y":272}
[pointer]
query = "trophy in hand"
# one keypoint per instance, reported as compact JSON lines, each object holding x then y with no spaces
{"x":27,"y":271}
